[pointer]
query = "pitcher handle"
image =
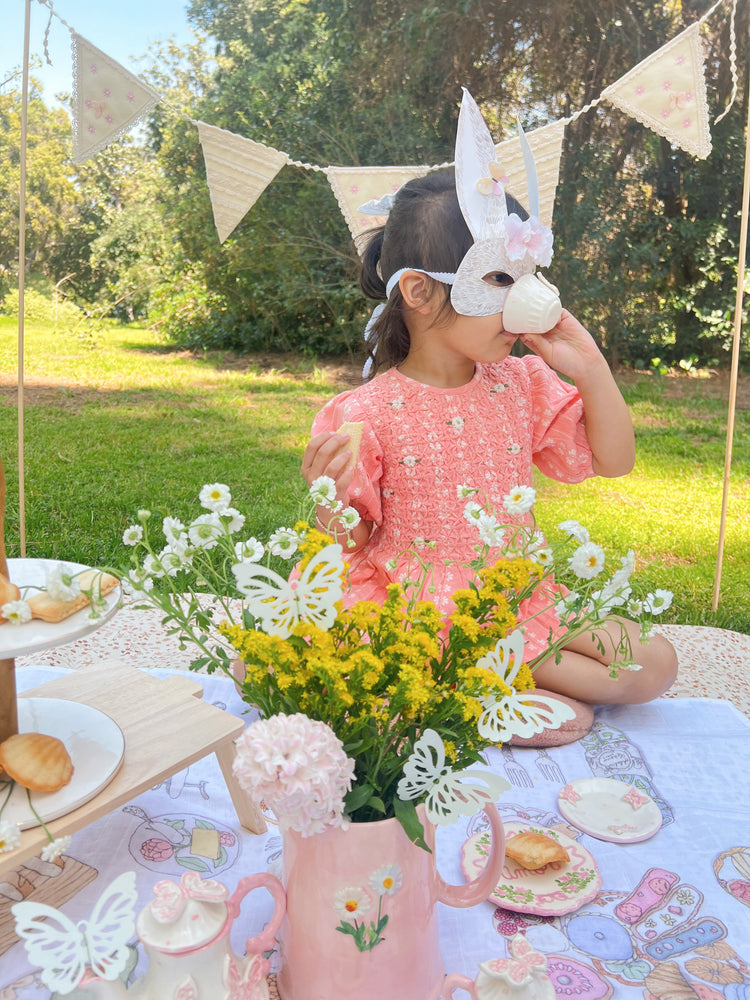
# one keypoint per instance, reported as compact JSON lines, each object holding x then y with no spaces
{"x":479,"y":888}
{"x":265,"y":941}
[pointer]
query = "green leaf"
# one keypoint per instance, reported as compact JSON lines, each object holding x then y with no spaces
{"x":406,"y":814}
{"x":359,"y":796}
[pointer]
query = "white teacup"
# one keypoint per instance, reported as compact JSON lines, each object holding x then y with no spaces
{"x":532,"y":306}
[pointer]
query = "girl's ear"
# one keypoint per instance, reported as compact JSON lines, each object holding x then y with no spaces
{"x":415,"y":290}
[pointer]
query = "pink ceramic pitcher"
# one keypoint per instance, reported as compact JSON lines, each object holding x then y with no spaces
{"x":361,"y":920}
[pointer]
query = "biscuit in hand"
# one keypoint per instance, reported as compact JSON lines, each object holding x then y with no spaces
{"x":36,"y":761}
{"x":354,"y":430}
{"x":534,"y":850}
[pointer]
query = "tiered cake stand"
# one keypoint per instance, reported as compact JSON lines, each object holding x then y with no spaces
{"x":94,"y":741}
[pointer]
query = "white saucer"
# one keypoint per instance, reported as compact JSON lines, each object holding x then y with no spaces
{"x":96,"y":746}
{"x":610,"y":810}
{"x":35,"y":636}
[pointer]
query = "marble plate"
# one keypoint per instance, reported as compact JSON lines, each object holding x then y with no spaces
{"x":35,"y":636}
{"x":610,"y":810}
{"x":558,"y":888}
{"x":96,"y":746}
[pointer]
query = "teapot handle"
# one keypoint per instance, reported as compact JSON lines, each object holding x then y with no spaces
{"x":265,"y":941}
{"x":457,"y":982}
{"x":479,"y":888}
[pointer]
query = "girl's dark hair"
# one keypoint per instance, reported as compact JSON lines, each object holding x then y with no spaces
{"x":426,"y":230}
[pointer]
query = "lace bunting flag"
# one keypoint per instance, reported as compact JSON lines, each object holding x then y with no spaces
{"x":107,"y":99}
{"x":667,"y":93}
{"x":238,"y":171}
{"x":546,"y":145}
{"x":356,"y":186}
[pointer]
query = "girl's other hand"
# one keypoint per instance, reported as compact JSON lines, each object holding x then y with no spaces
{"x":327,"y":454}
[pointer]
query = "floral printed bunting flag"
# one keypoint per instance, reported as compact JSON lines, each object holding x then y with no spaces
{"x":355,"y":187}
{"x":546,"y":145}
{"x":107,"y":99}
{"x":238,"y":171}
{"x":667,"y":93}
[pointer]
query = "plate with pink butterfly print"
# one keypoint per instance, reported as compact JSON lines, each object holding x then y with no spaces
{"x":558,"y":888}
{"x":610,"y":810}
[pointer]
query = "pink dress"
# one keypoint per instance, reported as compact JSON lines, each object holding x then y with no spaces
{"x":420,"y":443}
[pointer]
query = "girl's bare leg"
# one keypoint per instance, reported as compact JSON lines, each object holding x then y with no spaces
{"x":583,"y":670}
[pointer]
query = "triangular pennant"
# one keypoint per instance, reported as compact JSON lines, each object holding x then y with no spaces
{"x":107,"y":99}
{"x":358,"y":186}
{"x":238,"y":171}
{"x":546,"y":145}
{"x":667,"y":93}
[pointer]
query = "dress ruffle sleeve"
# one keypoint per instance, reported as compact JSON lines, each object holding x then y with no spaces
{"x":560,"y":447}
{"x":364,"y":492}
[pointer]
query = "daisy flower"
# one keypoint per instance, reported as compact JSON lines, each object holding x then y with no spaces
{"x":283,"y":542}
{"x":205,"y":531}
{"x":520,"y":500}
{"x":62,"y":583}
{"x":16,"y":612}
{"x":352,"y":902}
{"x":657,"y":602}
{"x":132,"y":535}
{"x":174,"y":530}
{"x":587,"y":561}
{"x":55,"y":848}
{"x":215,"y":496}
{"x":251,"y":550}
{"x":575,"y":530}
{"x":10,"y":836}
{"x":323,"y":491}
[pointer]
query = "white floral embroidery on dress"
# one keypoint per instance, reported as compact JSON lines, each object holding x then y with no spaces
{"x":457,"y":423}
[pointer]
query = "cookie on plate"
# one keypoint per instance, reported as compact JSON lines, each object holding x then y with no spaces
{"x":534,"y":850}
{"x":36,"y":761}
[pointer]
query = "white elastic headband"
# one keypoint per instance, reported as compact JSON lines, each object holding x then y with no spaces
{"x":447,"y":277}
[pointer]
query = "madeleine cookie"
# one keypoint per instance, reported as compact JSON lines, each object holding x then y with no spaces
{"x":36,"y":761}
{"x":534,"y":850}
{"x":52,"y":609}
{"x":354,"y":430}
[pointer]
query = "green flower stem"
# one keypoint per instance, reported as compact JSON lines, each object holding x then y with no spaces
{"x":10,"y":785}
{"x":38,"y":818}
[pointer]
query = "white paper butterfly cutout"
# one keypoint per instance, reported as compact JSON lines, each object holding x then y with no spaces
{"x":64,"y":950}
{"x":518,"y":714}
{"x":450,"y":793}
{"x":281,"y":604}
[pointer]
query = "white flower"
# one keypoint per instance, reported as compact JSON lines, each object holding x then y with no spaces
{"x":251,"y":550}
{"x":62,"y":583}
{"x":233,"y":517}
{"x":409,"y":461}
{"x":575,"y":530}
{"x":283,"y":542}
{"x":462,"y":492}
{"x":323,"y":491}
{"x":205,"y":531}
{"x":174,"y":530}
{"x":352,"y":902}
{"x":386,"y":880}
{"x":173,"y":558}
{"x":55,"y":848}
{"x":350,"y":518}
{"x":397,"y":403}
{"x":152,"y":567}
{"x":16,"y":612}
{"x":587,"y":561}
{"x":10,"y":836}
{"x":542,"y":555}
{"x":520,"y":500}
{"x":490,"y":531}
{"x":137,"y":579}
{"x":215,"y":496}
{"x":657,"y":602}
{"x":513,"y":448}
{"x":457,"y":423}
{"x":132,"y":535}
{"x":473,"y":511}
{"x":621,"y":577}
{"x":635,"y":608}
{"x":391,"y":565}
{"x":607,"y":598}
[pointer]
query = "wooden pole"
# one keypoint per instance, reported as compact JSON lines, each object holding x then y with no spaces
{"x":22,"y":277}
{"x":735,"y":359}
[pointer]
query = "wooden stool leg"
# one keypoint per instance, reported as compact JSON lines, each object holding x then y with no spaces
{"x":8,"y":698}
{"x":248,"y":812}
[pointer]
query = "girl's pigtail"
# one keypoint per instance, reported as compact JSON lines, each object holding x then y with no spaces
{"x":386,"y":336}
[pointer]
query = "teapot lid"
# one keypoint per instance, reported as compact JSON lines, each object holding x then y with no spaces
{"x":183,"y":915}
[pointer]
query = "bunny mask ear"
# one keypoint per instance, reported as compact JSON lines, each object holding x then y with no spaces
{"x":506,"y":247}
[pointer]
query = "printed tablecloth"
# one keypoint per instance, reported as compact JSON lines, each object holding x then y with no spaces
{"x":670,"y":920}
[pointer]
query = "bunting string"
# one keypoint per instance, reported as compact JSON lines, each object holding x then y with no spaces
{"x":666,"y":92}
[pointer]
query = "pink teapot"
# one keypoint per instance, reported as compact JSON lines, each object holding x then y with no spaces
{"x":185,"y":932}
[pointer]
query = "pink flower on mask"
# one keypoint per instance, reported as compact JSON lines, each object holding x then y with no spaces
{"x":528,"y":237}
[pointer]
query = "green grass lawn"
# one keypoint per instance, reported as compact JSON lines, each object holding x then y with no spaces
{"x":127,"y":423}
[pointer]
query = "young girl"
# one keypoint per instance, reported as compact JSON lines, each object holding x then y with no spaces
{"x":452,"y":407}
